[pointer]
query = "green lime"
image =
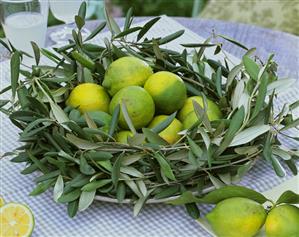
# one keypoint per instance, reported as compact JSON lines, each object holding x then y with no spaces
{"x":126,"y":71}
{"x":169,"y":134}
{"x":139,"y":103}
{"x":168,"y":91}
{"x":236,"y":217}
{"x":89,"y":97}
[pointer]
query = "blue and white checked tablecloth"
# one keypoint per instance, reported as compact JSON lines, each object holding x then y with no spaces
{"x":114,"y":220}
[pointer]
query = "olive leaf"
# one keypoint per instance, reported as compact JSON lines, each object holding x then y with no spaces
{"x":164,"y":124}
{"x":249,"y":134}
{"x":58,"y":188}
{"x":288,"y":197}
{"x":15,"y":72}
{"x":85,"y":200}
{"x":165,"y":167}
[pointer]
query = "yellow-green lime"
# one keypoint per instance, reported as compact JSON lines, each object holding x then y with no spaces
{"x":283,"y":221}
{"x":213,"y":110}
{"x":169,"y":134}
{"x":190,"y":120}
{"x":89,"y":97}
{"x":139,"y":103}
{"x":126,"y":71}
{"x":122,"y":136}
{"x":236,"y":217}
{"x":168,"y":91}
{"x":16,"y":220}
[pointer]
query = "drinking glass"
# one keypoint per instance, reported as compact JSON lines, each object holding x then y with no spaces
{"x":65,"y":10}
{"x":24,"y":21}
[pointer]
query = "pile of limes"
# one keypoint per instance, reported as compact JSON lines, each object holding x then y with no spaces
{"x":149,"y":99}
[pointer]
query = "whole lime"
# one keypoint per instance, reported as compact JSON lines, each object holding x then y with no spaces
{"x":139,"y":103}
{"x":168,"y":91}
{"x":236,"y":217}
{"x":283,"y":221}
{"x":122,"y":136}
{"x":213,"y":110}
{"x":169,"y":134}
{"x":89,"y":97}
{"x":126,"y":71}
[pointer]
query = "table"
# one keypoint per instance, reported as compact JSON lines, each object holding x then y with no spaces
{"x":109,"y":220}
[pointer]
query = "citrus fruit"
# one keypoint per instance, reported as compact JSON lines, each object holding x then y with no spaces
{"x":213,"y":110}
{"x":169,"y":134}
{"x":2,"y":202}
{"x":89,"y":97}
{"x":16,"y":220}
{"x":235,"y":217}
{"x":168,"y":91}
{"x":126,"y":71}
{"x":190,"y":120}
{"x":283,"y":221}
{"x":123,"y":136}
{"x":139,"y":103}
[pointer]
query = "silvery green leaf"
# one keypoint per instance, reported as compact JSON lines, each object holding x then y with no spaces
{"x":15,"y":63}
{"x":204,"y":136}
{"x":142,"y":187}
{"x":215,"y":181}
{"x":251,"y":67}
{"x":164,"y":124}
{"x":202,"y":114}
{"x":281,"y":153}
{"x":280,"y":86}
{"x":131,"y":171}
{"x":115,"y":174}
{"x":248,"y":135}
{"x":106,"y":164}
{"x":225,"y":177}
{"x":246,"y":150}
{"x":153,"y":137}
{"x":165,"y":166}
{"x":232,"y":74}
{"x":136,"y":140}
{"x":81,"y":143}
{"x":288,"y":197}
{"x":138,"y":205}
{"x":130,"y":159}
{"x":94,"y":185}
{"x":132,"y":185}
{"x":58,"y":188}
{"x":244,"y":101}
{"x":178,"y":155}
{"x":237,"y":94}
{"x":234,"y":126}
{"x":86,"y":199}
{"x":126,"y":115}
{"x":58,"y":113}
{"x":196,"y":150}
{"x":113,"y":27}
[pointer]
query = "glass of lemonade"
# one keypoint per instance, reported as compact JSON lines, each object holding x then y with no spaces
{"x":24,"y":21}
{"x":64,"y":10}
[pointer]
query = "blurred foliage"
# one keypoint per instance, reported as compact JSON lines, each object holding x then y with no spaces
{"x":157,"y":7}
